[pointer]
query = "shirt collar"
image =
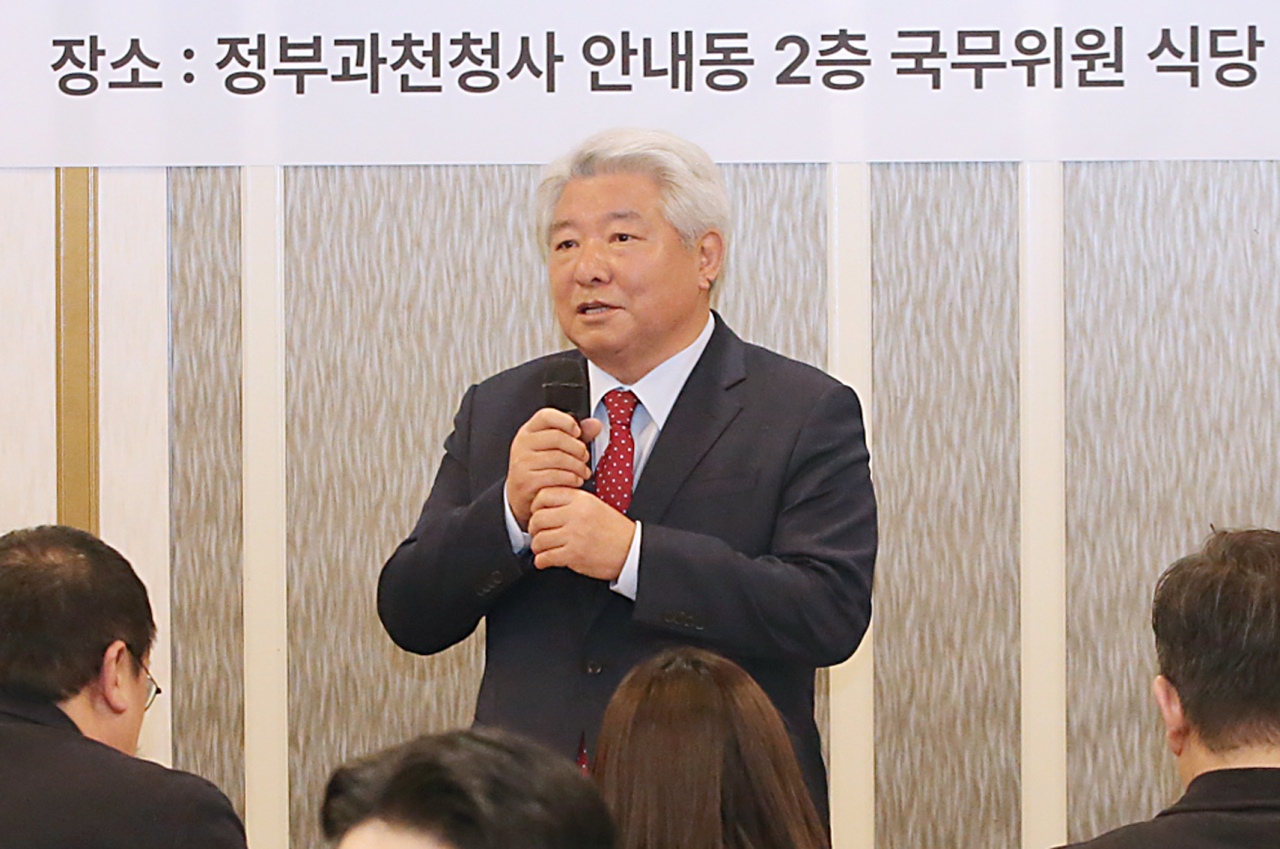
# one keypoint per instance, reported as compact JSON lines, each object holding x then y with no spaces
{"x":658,"y":389}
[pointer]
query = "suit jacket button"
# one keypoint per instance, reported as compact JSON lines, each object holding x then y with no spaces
{"x":594,"y":667}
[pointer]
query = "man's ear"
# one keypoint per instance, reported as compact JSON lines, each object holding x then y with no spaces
{"x":115,"y":677}
{"x":1177,"y":729}
{"x":710,"y":257}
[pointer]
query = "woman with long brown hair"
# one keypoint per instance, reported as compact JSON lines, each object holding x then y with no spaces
{"x":692,"y":755}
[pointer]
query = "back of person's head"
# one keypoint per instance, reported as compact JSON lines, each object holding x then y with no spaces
{"x":693,"y":755}
{"x":65,"y":597}
{"x":477,"y":789}
{"x":1216,"y":617}
{"x":694,"y":198}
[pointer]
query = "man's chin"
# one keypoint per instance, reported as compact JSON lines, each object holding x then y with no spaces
{"x":605,"y":350}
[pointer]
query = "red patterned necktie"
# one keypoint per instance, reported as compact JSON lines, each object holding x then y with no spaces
{"x":615,"y":470}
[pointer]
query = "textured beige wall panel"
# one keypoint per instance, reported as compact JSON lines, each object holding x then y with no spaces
{"x":774,"y":291}
{"x":205,"y":476}
{"x":1172,"y":354}
{"x":403,"y":286}
{"x":945,"y":302}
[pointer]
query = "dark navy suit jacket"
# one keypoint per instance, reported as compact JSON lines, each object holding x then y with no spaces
{"x":759,"y":540}
{"x":59,"y":789}
{"x":1222,"y":809}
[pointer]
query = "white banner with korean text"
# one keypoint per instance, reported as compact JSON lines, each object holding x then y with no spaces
{"x":262,"y":82}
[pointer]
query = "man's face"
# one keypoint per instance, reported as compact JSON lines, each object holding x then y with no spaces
{"x":627,"y":292}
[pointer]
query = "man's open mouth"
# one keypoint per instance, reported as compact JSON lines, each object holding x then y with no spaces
{"x":593,"y":308}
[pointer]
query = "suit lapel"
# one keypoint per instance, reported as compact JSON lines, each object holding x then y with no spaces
{"x":701,"y":413}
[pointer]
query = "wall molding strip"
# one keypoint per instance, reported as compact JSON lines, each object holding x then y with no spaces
{"x":77,"y":343}
{"x":133,"y":403}
{"x":1042,"y":422}
{"x":852,"y":683}
{"x":266,"y":665}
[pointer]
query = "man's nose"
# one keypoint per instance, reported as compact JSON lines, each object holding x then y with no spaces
{"x":592,"y":267}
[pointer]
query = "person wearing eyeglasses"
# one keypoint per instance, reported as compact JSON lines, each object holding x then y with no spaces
{"x":76,"y":632}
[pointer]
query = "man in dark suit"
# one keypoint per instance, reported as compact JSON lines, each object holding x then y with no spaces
{"x":1216,"y":618}
{"x":732,"y":504}
{"x":75,"y":634}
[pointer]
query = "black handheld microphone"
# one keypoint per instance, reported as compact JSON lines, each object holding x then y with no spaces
{"x":564,"y":388}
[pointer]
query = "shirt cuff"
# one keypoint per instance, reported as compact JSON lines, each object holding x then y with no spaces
{"x":520,"y":540}
{"x":629,"y":578}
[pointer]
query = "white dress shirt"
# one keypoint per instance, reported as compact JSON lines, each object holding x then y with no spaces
{"x":657,"y":392}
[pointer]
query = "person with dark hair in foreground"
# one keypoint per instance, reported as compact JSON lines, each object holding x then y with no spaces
{"x":477,"y":789}
{"x":1216,"y":618}
{"x":692,"y":755}
{"x":75,"y":636}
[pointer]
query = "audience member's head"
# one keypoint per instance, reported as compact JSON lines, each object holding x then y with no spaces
{"x":476,"y":789}
{"x":1216,"y":617}
{"x":76,"y":629}
{"x":692,"y":755}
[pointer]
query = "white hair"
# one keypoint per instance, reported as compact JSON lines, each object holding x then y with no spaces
{"x":694,"y":200}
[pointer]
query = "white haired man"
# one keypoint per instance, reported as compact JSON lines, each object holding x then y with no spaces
{"x":1216,"y":617}
{"x":732,"y":503}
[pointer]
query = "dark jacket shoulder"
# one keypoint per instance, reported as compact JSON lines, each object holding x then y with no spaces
{"x":59,"y":788}
{"x":1222,"y":809}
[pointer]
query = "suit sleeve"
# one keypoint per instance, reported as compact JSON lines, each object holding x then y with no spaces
{"x":808,"y":598}
{"x":442,"y":580}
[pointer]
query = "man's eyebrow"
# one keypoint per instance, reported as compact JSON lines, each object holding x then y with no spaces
{"x":616,"y":215}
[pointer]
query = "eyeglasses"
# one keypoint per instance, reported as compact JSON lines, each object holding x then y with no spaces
{"x":153,"y":689}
